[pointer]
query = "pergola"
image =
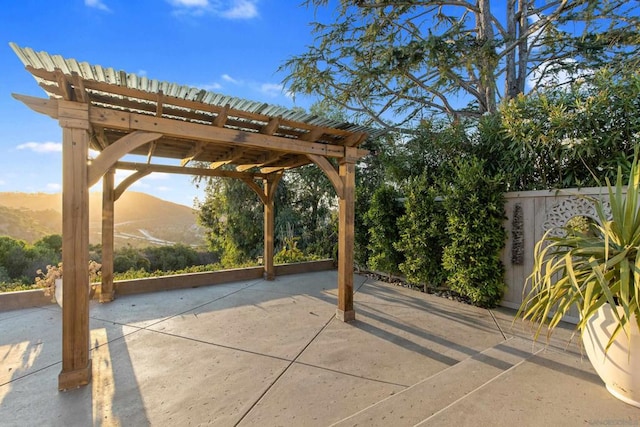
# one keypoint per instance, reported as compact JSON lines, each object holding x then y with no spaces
{"x":117,"y":113}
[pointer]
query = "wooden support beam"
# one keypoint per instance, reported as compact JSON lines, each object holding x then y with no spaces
{"x":108,"y":229}
{"x":360,"y":153}
{"x":78,"y":88}
{"x":293,"y":163}
{"x":73,"y":115}
{"x":177,"y":129}
{"x":221,"y":118}
{"x":159,"y":104}
{"x":76,"y":363}
{"x":271,"y":127}
{"x":152,"y":149}
{"x":128,"y":181}
{"x":312,"y":135}
{"x":242,"y":168}
{"x":231,"y":156}
{"x":257,"y":189}
{"x":48,"y":107}
{"x":188,"y":170}
{"x":346,"y":219}
{"x":264,"y":161}
{"x":270,"y":184}
{"x":64,"y":85}
{"x":99,"y":137}
{"x":195,"y":151}
{"x":355,"y":139}
{"x":330,"y":172}
{"x":110,"y":155}
{"x":126,"y":121}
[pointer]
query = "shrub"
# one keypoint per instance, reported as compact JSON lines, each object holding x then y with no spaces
{"x":475,"y":212}
{"x":291,"y":253}
{"x":361,"y":252}
{"x":169,"y":258}
{"x":422,"y":234}
{"x":382,"y":217}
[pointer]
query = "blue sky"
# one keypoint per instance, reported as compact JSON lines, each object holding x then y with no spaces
{"x":232,"y":47}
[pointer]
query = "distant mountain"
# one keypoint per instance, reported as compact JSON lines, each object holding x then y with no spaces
{"x":24,"y":224}
{"x":140,"y":219}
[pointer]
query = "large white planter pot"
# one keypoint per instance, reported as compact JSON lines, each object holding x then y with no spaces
{"x":58,"y":292}
{"x":619,"y":367}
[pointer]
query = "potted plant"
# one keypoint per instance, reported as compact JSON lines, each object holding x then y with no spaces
{"x":598,"y":273}
{"x":51,"y":280}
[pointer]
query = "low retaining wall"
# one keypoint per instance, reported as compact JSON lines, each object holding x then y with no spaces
{"x":36,"y":297}
{"x":23,"y":299}
{"x":182,"y":281}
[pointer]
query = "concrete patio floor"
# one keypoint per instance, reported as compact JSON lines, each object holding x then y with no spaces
{"x":260,"y":353}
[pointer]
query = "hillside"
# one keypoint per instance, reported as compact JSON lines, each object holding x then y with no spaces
{"x":140,"y":219}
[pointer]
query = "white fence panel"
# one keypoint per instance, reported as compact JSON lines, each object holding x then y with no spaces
{"x":529,"y":215}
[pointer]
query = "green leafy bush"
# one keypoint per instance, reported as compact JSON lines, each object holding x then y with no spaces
{"x":141,"y":274}
{"x":475,"y":211}
{"x":361,"y":252}
{"x":129,"y":258}
{"x":168,"y":258}
{"x":16,"y":286}
{"x":291,"y":253}
{"x":382,"y":217}
{"x":422,"y":234}
{"x":565,"y":137}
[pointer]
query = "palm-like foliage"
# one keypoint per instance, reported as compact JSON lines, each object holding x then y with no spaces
{"x":588,"y":270}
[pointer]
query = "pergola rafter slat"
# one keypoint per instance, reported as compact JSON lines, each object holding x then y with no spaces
{"x":132,"y":95}
{"x":120,"y":114}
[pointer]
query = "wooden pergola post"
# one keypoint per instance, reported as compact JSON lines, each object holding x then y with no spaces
{"x":270,"y":185}
{"x":269,"y":230}
{"x":347,"y":173}
{"x":108,"y":201}
{"x":76,"y":363}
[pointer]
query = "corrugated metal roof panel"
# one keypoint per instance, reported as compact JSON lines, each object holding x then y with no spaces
{"x":43,"y":60}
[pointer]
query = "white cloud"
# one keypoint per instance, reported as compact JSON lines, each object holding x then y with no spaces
{"x":163,"y":188}
{"x":2,"y":182}
{"x":41,"y":147}
{"x":210,"y":86}
{"x":189,"y":3}
{"x":546,"y":76}
{"x":228,"y":78}
{"x":97,"y":4}
{"x":241,"y":9}
{"x":189,"y":7}
{"x":52,"y":186}
{"x":227,"y":9}
{"x":272,"y":90}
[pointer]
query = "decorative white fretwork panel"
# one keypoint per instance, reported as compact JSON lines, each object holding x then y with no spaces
{"x":569,"y":207}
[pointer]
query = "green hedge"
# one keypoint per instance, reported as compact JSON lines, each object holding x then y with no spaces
{"x":474,"y":204}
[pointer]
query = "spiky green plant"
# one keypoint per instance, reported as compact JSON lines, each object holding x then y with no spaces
{"x":589,"y":270}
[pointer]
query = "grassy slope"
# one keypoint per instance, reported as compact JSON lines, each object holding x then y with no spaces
{"x":30,"y":216}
